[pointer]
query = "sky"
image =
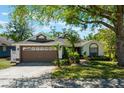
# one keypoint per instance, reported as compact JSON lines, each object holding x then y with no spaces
{"x":4,"y":19}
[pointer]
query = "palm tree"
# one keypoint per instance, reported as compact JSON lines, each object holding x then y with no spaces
{"x":72,"y":36}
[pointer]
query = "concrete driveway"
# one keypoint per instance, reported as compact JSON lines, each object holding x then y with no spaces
{"x":23,"y":71}
{"x":26,"y":70}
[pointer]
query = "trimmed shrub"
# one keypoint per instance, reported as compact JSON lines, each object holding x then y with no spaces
{"x":100,"y":58}
{"x":65,"y":55}
{"x":85,"y":56}
{"x":73,"y":57}
{"x":61,"y":62}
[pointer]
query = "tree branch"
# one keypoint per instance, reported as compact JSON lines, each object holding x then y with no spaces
{"x":98,"y":11}
{"x":97,"y":22}
{"x":102,"y":12}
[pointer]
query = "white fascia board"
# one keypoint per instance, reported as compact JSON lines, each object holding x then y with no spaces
{"x":35,"y":44}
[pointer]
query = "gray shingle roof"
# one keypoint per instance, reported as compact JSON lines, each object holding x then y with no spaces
{"x":48,"y":42}
{"x":4,"y":40}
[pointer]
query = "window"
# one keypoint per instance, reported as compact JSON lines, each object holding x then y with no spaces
{"x":26,"y":48}
{"x":4,"y":48}
{"x":33,"y":48}
{"x":93,"y":49}
{"x":52,"y":48}
{"x":38,"y":48}
{"x":41,"y":48}
{"x":41,"y":37}
{"x":46,"y":48}
{"x":82,"y":51}
{"x":1,"y":48}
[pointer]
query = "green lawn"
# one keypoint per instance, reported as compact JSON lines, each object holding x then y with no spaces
{"x":94,"y":69}
{"x":4,"y":63}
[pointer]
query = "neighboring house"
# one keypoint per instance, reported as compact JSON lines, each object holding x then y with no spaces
{"x":40,"y":49}
{"x":5,"y":47}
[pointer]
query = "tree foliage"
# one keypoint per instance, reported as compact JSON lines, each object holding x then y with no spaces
{"x":90,"y":37}
{"x":18,"y":28}
{"x":20,"y":14}
{"x":1,"y":26}
{"x":55,"y":34}
{"x":76,"y":15}
{"x":108,"y":38}
{"x":17,"y":31}
{"x":72,"y":36}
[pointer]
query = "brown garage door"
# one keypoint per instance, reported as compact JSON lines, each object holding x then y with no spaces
{"x":38,"y":54}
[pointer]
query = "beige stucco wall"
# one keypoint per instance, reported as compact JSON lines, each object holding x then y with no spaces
{"x":85,"y":48}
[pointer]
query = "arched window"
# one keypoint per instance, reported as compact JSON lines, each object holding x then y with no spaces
{"x":93,"y":49}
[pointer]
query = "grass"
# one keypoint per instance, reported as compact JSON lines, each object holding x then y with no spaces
{"x":94,"y":69}
{"x":4,"y":63}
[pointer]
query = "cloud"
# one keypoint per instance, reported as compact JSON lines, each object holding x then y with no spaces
{"x":45,"y":28}
{"x":4,"y":13}
{"x":77,"y":28}
{"x":61,"y":24}
{"x":3,"y":23}
{"x":39,"y":28}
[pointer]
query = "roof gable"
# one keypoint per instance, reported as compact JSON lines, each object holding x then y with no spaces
{"x":82,"y":43}
{"x":5,"y":41}
{"x":41,"y":37}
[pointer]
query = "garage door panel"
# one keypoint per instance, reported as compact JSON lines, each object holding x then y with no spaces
{"x":38,"y":56}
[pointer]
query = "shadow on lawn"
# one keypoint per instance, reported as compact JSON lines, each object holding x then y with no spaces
{"x":93,"y":69}
{"x":35,"y":64}
{"x":109,"y":69}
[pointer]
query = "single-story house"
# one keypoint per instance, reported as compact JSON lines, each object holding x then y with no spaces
{"x":5,"y":47}
{"x":40,"y":48}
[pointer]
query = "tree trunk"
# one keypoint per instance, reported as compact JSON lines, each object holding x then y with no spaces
{"x":110,"y":54}
{"x":120,"y":36}
{"x":58,"y":60}
{"x":120,"y":51}
{"x":73,"y":47}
